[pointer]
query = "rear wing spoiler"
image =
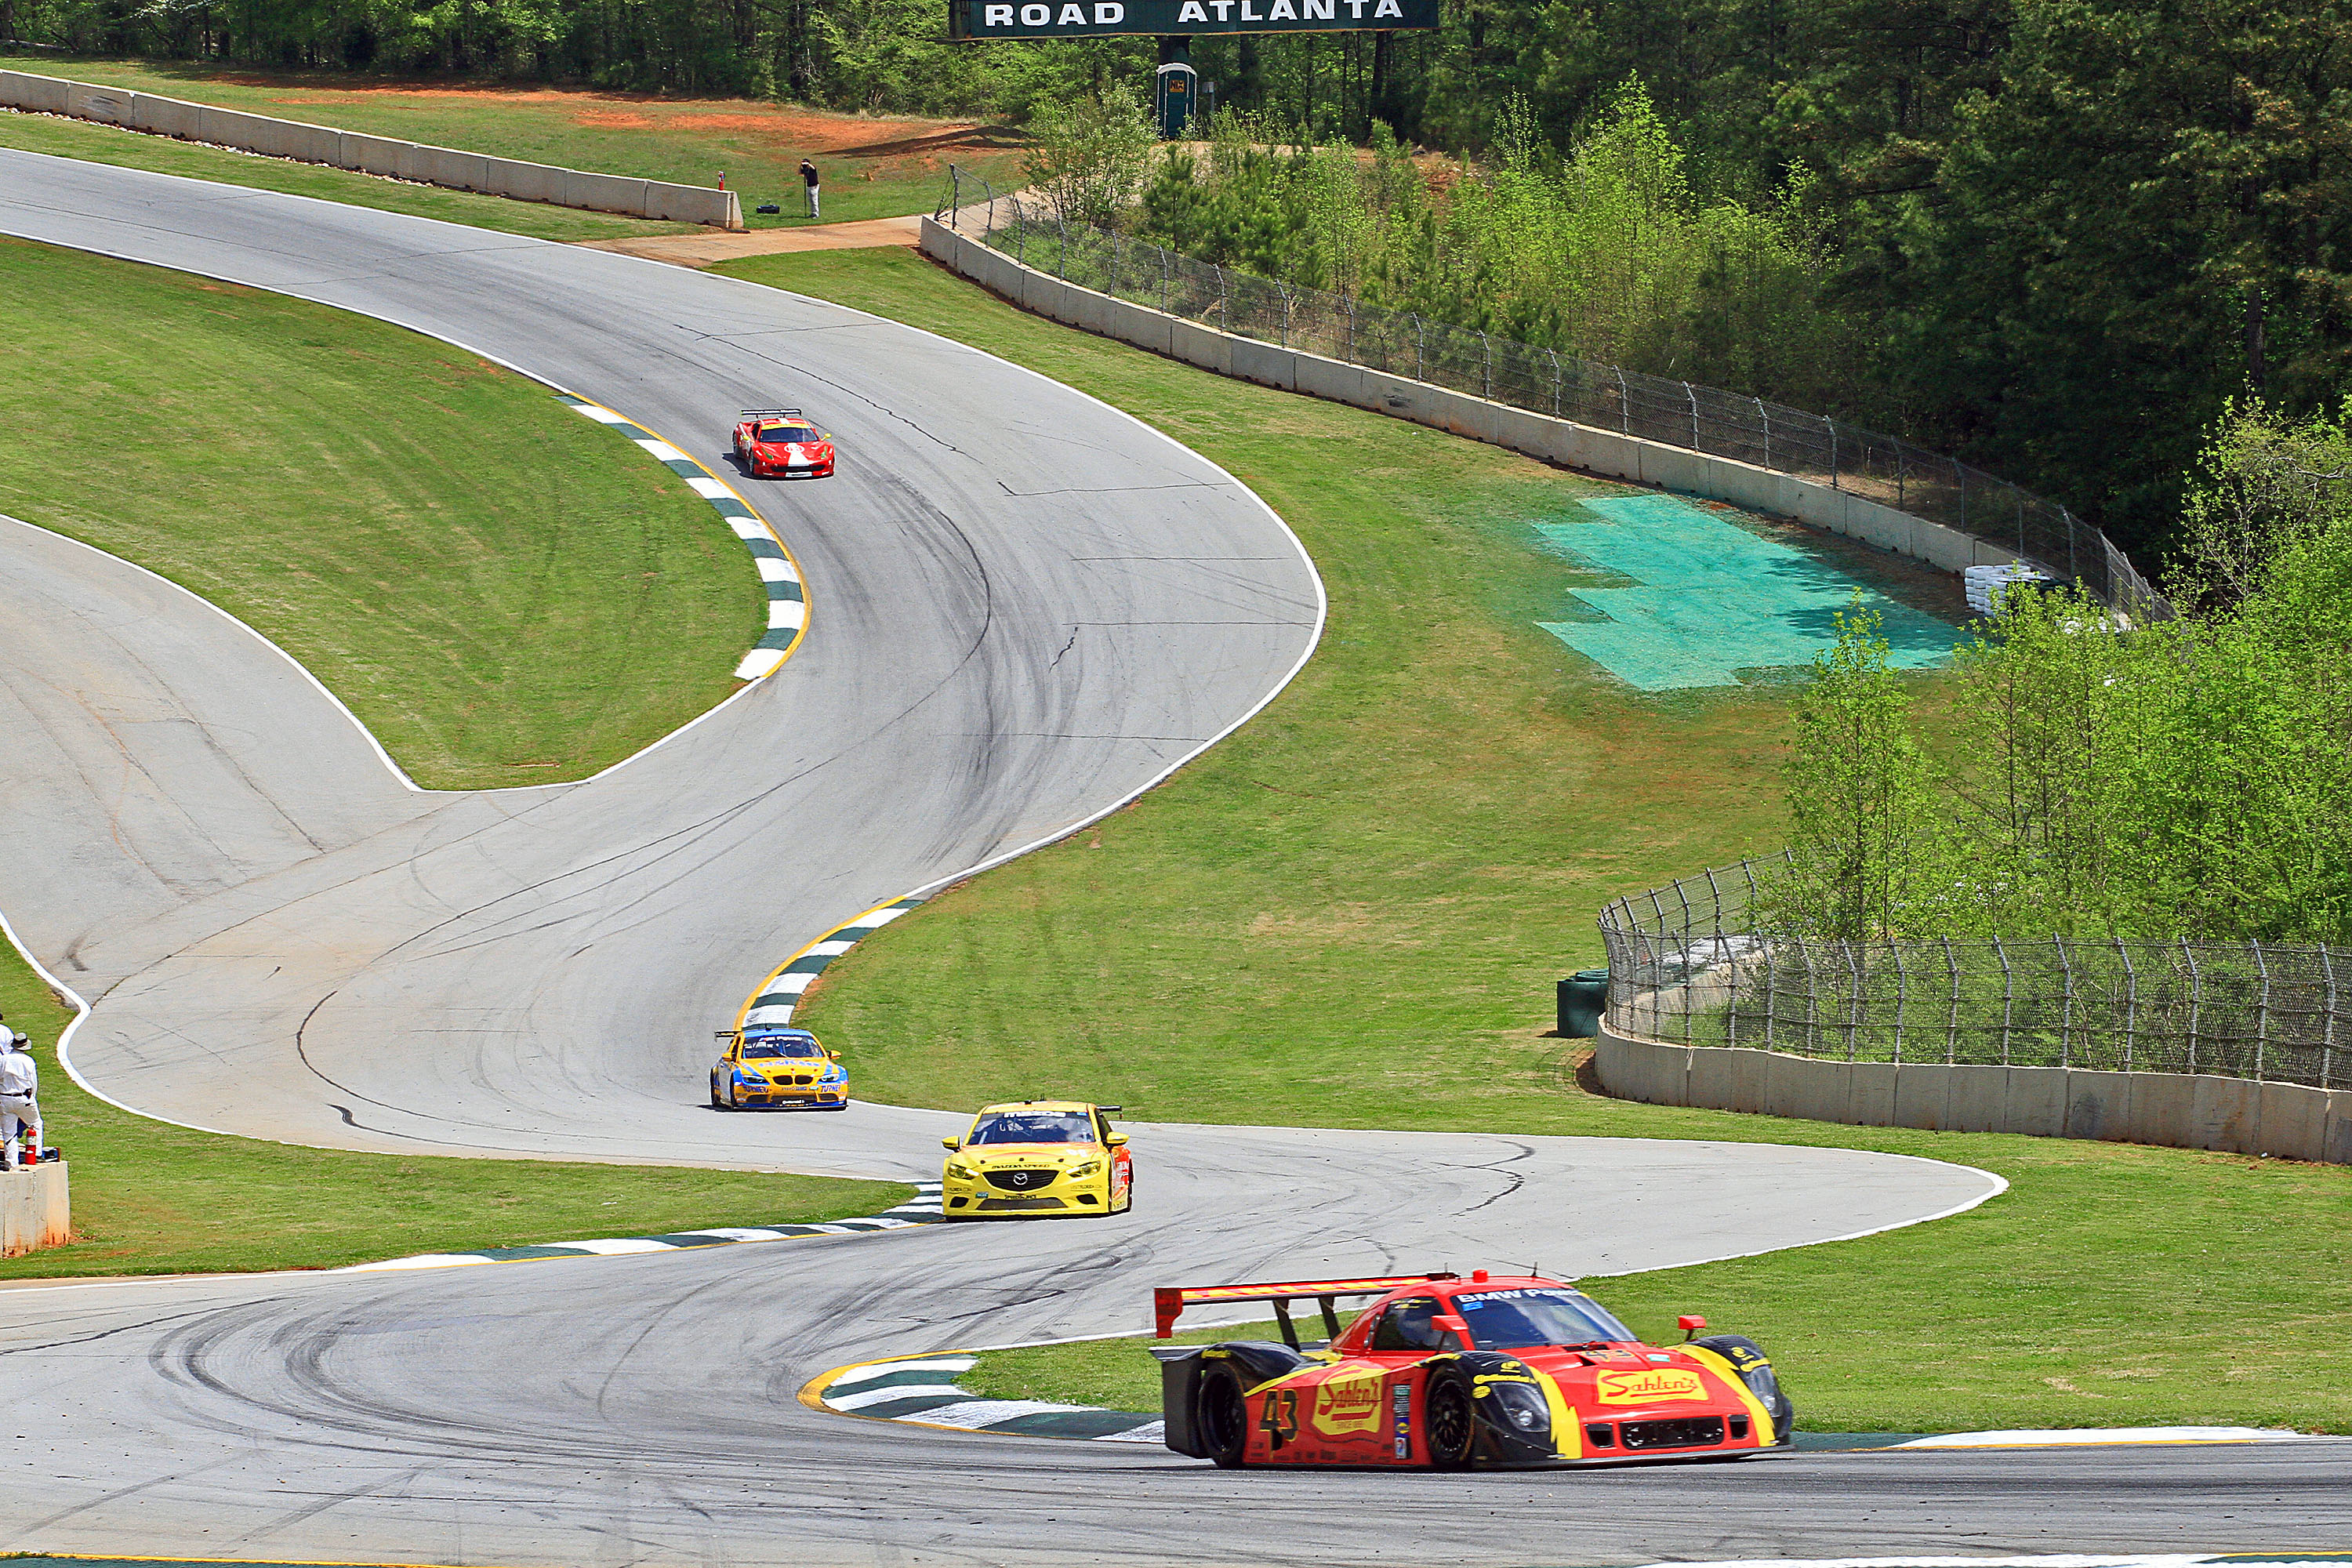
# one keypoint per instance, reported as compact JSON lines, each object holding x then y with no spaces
{"x":1168,"y":1302}
{"x":771,"y":413}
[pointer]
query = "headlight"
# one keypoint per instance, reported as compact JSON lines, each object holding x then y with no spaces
{"x":1082,"y":1170}
{"x":1520,"y":1405}
{"x":958,"y":1170}
{"x":743,"y":1077}
{"x":835,"y":1075}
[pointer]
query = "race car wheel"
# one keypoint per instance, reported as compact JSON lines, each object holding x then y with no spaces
{"x":1126,"y":1198}
{"x":734,"y":1100}
{"x":715,"y":1103}
{"x":1221,"y":1416}
{"x":1448,"y":1422}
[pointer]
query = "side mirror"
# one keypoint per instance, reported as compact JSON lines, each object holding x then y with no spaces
{"x":1454,"y":1327}
{"x":1116,"y":1140}
{"x":1689,"y":1324}
{"x":950,"y":1142}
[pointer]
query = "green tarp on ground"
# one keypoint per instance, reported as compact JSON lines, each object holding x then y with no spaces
{"x":1710,"y":599}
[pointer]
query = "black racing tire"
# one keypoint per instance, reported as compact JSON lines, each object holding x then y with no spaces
{"x":1127,"y":1200}
{"x":1221,"y":1415}
{"x":733,"y":1103}
{"x":1449,"y":1420}
{"x":715,"y":1103}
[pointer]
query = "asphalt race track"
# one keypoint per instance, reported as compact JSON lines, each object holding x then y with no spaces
{"x":1024,"y":608}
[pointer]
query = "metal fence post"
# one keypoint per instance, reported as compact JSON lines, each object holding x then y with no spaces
{"x":1283,"y":289}
{"x":1418,"y":354}
{"x":1834,"y":452}
{"x":2008,"y":997}
{"x":1766,"y":420}
{"x":1062,"y":253}
{"x":1853,"y":986}
{"x":1952,"y":1017}
{"x":1894,"y":951}
{"x":2131,"y":999}
{"x":1349,"y":306}
{"x":1224,"y":323}
{"x":2065,"y":999}
{"x":1624,"y":402}
{"x":1693,"y":403}
{"x":2196,"y":997}
{"x":2328,"y":1022}
{"x":1163,"y":277}
{"x":1555,"y":382}
{"x":2261,"y":1005}
{"x":1486,"y":368}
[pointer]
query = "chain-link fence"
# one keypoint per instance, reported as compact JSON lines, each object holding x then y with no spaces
{"x":1672,"y":413}
{"x":1684,"y":967}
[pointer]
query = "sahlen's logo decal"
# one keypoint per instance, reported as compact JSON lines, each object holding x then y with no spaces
{"x":1346,"y":1404}
{"x":1655,"y":1386}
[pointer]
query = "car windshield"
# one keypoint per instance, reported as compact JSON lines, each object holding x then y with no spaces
{"x":787,"y":433}
{"x":1504,"y":1319}
{"x":1035,"y":1127}
{"x":758,"y":1048}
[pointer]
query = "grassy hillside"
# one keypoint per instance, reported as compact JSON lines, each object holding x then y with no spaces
{"x":468,"y":564}
{"x":1351,"y":915}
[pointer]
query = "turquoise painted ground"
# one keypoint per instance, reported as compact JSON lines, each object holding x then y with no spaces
{"x":1710,"y":599}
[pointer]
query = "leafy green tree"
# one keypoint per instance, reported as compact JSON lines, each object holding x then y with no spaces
{"x":2042,"y":729}
{"x":1089,"y":155}
{"x":1866,"y":852}
{"x":2264,"y":484}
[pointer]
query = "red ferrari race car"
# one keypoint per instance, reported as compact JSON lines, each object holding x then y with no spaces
{"x":1446,"y":1373}
{"x":781,"y":444}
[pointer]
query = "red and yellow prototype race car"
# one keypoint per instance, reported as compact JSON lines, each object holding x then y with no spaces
{"x":1446,"y":1373}
{"x":781,"y":444}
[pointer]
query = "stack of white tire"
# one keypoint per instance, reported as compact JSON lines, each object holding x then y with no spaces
{"x":1986,"y":584}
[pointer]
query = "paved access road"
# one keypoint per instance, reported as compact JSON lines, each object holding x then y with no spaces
{"x":1024,"y":608}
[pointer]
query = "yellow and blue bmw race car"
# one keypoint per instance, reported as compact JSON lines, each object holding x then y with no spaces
{"x":1036,"y":1158}
{"x":777,"y":1066}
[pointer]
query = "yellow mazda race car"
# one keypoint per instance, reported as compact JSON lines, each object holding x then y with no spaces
{"x":1039,"y":1157}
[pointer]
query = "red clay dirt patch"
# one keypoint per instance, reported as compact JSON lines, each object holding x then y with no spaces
{"x":847,"y":136}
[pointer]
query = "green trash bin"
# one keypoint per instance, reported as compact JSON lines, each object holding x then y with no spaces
{"x":1583,"y":996}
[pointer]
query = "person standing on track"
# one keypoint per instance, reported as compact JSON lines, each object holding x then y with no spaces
{"x":808,"y":178}
{"x":20,"y":1085}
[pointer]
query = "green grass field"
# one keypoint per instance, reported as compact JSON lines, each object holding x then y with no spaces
{"x":468,"y":564}
{"x":872,"y":167}
{"x":149,"y":1198}
{"x":1351,"y":913}
{"x":95,"y":143}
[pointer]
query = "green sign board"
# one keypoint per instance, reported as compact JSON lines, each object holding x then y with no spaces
{"x":977,"y":19}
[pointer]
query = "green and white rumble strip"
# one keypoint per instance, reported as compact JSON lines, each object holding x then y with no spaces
{"x":923,"y":1208}
{"x":780,"y":992}
{"x":779,"y":573}
{"x":921,"y":1392}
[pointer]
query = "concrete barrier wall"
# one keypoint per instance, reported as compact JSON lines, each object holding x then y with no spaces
{"x":461,"y":171}
{"x":1563,"y":441}
{"x":35,"y":1209}
{"x":2285,"y":1120}
{"x":41,"y":94}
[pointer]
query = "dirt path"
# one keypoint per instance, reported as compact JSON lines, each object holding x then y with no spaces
{"x":703,"y":250}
